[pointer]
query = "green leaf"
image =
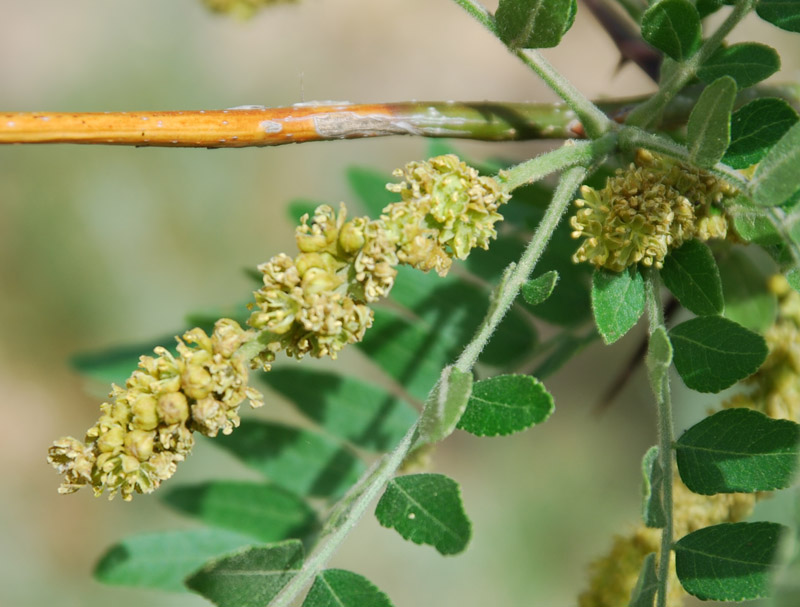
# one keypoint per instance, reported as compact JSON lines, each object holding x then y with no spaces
{"x":709,"y":127}
{"x":370,"y":187}
{"x":755,"y":128}
{"x":340,"y":588}
{"x":262,"y":511}
{"x":426,"y":509}
{"x":776,"y":179}
{"x":506,"y":404}
{"x":537,"y":290}
{"x":644,"y":593}
{"x":301,"y":461}
{"x":445,"y":405}
{"x":653,"y":513}
{"x":617,"y":301}
{"x":691,"y":273}
{"x":748,"y":63}
{"x":534,"y":23}
{"x":712,"y":353}
{"x":784,"y":14}
{"x":250,"y":578}
{"x":738,"y":450}
{"x":728,"y":562}
{"x":748,"y":301}
{"x":672,"y":26}
{"x":348,"y":408}
{"x":708,"y":7}
{"x":163,"y":560}
{"x":752,"y":226}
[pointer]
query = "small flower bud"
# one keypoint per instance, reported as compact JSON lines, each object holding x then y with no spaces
{"x":145,"y":412}
{"x":111,"y":440}
{"x":139,"y":444}
{"x":173,"y":408}
{"x":196,"y":382}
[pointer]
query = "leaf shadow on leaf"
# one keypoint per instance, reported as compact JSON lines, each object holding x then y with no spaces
{"x":261,"y":444}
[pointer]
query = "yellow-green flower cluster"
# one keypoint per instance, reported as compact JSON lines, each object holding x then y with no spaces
{"x":447,"y":210}
{"x":644,"y":211}
{"x":243,"y":9}
{"x":148,"y":427}
{"x":314,"y":303}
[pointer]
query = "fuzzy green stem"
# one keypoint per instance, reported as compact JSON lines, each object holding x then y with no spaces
{"x":665,"y":437}
{"x":569,"y":155}
{"x":649,"y":112}
{"x":516,"y":277}
{"x":631,"y":138}
{"x":594,"y":121}
{"x":360,"y":497}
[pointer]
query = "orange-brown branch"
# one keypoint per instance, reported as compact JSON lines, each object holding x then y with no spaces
{"x":260,"y":126}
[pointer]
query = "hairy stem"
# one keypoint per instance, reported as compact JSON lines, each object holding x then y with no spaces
{"x":594,"y":121}
{"x":516,"y":276}
{"x":649,"y":112}
{"x":569,"y":155}
{"x":665,"y":436}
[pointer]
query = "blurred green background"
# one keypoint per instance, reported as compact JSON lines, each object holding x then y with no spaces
{"x":101,"y":246}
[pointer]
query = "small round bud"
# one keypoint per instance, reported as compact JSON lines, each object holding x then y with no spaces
{"x":173,"y":408}
{"x":351,"y":236}
{"x":111,"y":440}
{"x":145,"y":413}
{"x":196,"y":382}
{"x":139,"y":444}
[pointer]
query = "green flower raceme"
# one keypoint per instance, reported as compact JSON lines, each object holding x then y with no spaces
{"x":148,"y":427}
{"x":644,"y":211}
{"x":315,"y":303}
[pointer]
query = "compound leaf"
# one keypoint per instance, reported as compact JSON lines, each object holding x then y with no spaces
{"x":426,"y":509}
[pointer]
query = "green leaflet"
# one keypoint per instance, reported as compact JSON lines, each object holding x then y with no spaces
{"x":738,"y":450}
{"x":728,"y":562}
{"x":755,"y":128}
{"x":348,"y":408}
{"x":691,"y":273}
{"x":652,"y":482}
{"x":506,"y":404}
{"x":672,"y":26}
{"x":712,"y":353}
{"x":777,"y":179}
{"x":644,"y":592}
{"x":340,"y":588}
{"x":261,"y":511}
{"x":537,"y":290}
{"x":748,"y":63}
{"x":301,"y":461}
{"x":784,"y":14}
{"x":617,"y":301}
{"x":534,"y":23}
{"x":162,"y":560}
{"x":709,"y":127}
{"x":249,"y":578}
{"x":426,"y":509}
{"x":748,"y":302}
{"x":445,"y":405}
